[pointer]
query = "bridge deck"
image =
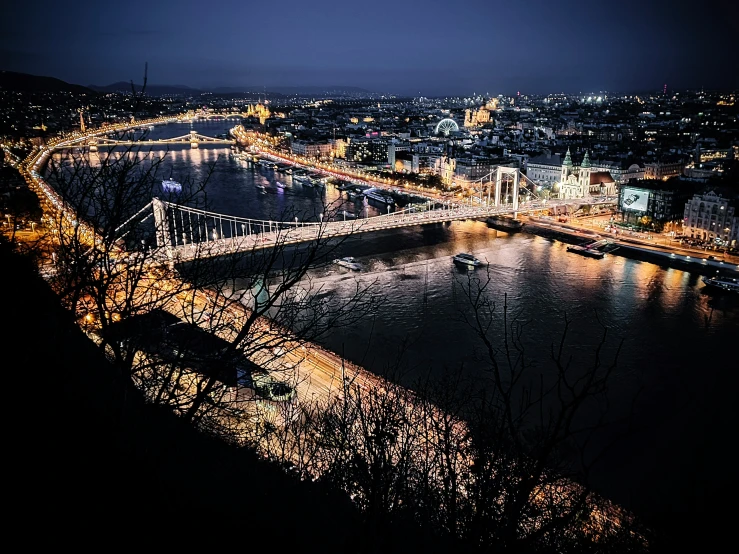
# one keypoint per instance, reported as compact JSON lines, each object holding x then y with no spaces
{"x":291,"y":233}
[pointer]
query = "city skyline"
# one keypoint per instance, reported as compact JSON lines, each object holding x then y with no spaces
{"x":407,"y":50}
{"x":373,"y":277}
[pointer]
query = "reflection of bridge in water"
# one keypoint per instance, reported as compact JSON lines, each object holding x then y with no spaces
{"x":184,"y":233}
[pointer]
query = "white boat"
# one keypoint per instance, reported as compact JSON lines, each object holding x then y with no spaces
{"x":379,"y":196}
{"x":349,"y":263}
{"x":170,"y":185}
{"x":723,"y":283}
{"x":466,"y":260}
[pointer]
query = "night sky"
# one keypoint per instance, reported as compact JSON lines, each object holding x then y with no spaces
{"x":396,"y":46}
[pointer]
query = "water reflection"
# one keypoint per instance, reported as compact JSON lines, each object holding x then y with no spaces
{"x":678,"y":337}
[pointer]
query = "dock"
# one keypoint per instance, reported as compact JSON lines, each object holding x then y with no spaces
{"x":597,"y":249}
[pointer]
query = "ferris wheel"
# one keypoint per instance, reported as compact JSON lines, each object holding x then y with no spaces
{"x":446,"y":126}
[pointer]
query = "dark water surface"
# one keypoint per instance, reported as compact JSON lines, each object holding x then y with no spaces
{"x":679,"y":350}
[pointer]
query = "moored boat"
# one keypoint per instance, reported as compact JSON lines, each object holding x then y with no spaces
{"x":587,"y":252}
{"x":506,"y":223}
{"x":348,"y":262}
{"x":378,"y":196}
{"x":723,"y":283}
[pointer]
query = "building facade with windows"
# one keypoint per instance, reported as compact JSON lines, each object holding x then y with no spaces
{"x":711,"y":217}
{"x":364,"y":150}
{"x":311,"y":149}
{"x":664,"y":170}
{"x":545,"y":169}
{"x":649,"y":201}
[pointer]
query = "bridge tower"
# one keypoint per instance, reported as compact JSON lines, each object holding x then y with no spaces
{"x":194,"y":141}
{"x":161,"y":223}
{"x":499,"y":183}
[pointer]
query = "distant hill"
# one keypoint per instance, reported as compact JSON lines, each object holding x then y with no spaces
{"x":238,"y":90}
{"x":291,"y":91}
{"x":334,"y":89}
{"x":10,"y":80}
{"x":153,"y":90}
{"x":158,"y":90}
{"x":23,"y":82}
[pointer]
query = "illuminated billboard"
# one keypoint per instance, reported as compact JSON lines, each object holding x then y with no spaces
{"x":635,"y":199}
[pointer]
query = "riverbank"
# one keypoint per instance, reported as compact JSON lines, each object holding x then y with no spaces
{"x":94,"y":439}
{"x":674,"y":256}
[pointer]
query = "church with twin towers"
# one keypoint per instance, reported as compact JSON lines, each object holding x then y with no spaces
{"x":581,"y":181}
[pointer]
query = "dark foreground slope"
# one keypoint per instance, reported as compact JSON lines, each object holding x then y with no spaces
{"x":80,"y":470}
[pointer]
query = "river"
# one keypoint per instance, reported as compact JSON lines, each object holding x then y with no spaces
{"x":679,"y":339}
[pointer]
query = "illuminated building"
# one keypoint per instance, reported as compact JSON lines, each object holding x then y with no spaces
{"x":545,"y":169}
{"x":711,"y":217}
{"x":260,"y":111}
{"x":657,"y":202}
{"x":338,"y":147}
{"x":472,"y":168}
{"x":664,"y":170}
{"x":367,"y":150}
{"x":311,"y":149}
{"x":476,"y":118}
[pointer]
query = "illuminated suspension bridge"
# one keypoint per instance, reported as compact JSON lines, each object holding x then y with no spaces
{"x":184,"y":233}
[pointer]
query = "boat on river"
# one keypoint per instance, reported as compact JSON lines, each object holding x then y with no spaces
{"x":722,"y":283}
{"x":596,"y":249}
{"x":379,"y":196}
{"x":466,"y":260}
{"x":349,"y":263}
{"x":170,"y":185}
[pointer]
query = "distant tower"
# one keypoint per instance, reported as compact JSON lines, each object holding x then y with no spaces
{"x":566,"y":167}
{"x":584,"y":176}
{"x":664,"y":89}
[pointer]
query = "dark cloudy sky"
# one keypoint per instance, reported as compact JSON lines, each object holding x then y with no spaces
{"x":432,"y":47}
